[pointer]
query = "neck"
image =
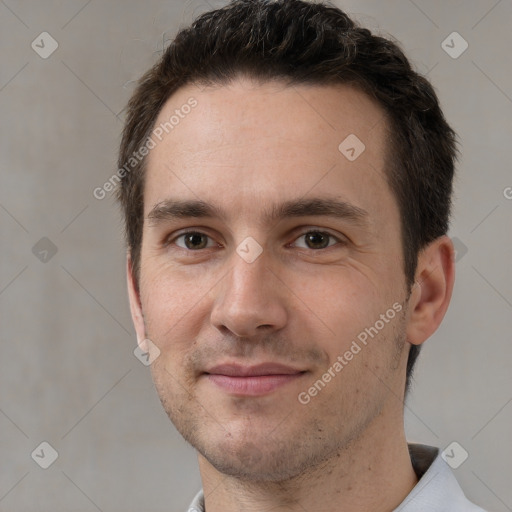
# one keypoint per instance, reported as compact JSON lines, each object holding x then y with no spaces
{"x":373,"y":473}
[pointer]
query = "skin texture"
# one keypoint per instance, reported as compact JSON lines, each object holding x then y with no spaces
{"x":244,"y":148}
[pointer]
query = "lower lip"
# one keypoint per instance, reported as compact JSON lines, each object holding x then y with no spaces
{"x":252,"y":386}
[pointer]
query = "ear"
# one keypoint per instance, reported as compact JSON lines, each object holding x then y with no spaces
{"x":432,"y":290}
{"x":135,"y":305}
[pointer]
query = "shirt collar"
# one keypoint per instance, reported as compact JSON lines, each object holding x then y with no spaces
{"x":436,"y":491}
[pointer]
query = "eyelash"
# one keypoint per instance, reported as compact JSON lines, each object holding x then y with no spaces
{"x":172,"y":241}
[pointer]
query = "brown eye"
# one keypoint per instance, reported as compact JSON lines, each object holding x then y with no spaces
{"x":317,"y":240}
{"x":193,"y":240}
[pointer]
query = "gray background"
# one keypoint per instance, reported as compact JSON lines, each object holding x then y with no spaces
{"x":68,"y":374}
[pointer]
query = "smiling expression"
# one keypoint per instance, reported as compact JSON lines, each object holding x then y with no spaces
{"x":256,"y":170}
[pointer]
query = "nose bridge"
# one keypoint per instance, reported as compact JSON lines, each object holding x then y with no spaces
{"x":248,"y":277}
{"x":248,"y":296}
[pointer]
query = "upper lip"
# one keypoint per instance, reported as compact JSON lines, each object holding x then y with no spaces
{"x":237,"y":370}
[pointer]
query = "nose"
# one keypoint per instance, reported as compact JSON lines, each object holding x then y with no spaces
{"x":250,"y":300}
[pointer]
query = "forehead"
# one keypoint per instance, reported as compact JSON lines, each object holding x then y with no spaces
{"x":251,"y":144}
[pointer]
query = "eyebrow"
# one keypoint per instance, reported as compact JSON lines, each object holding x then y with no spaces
{"x":172,"y":209}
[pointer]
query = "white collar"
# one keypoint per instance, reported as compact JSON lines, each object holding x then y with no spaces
{"x":436,"y":491}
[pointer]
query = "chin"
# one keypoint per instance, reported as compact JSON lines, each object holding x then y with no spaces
{"x":259,"y":462}
{"x":251,"y":465}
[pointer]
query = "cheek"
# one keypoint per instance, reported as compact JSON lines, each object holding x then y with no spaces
{"x":333,"y":303}
{"x":173,"y":303}
{"x":346,"y":306}
{"x":341,"y":298}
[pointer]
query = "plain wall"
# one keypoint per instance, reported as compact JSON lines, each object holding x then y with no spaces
{"x":68,"y":374}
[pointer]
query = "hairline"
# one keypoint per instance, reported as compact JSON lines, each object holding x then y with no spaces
{"x":391,"y":158}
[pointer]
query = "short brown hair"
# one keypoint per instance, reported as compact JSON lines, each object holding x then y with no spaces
{"x":299,"y":42}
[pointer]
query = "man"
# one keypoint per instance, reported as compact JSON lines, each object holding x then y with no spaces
{"x":286,"y":184}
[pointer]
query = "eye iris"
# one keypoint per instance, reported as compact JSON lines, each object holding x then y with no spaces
{"x":315,"y":238}
{"x":191,"y":239}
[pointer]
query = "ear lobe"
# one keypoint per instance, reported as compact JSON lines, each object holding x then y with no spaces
{"x":432,"y":291}
{"x":135,"y":303}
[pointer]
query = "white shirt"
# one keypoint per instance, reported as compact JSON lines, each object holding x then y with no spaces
{"x":436,"y":491}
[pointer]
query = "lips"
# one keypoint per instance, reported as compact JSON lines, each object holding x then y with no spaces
{"x":236,"y":370}
{"x":255,"y":380}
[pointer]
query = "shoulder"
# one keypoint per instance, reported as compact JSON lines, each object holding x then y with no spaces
{"x":437,"y":489}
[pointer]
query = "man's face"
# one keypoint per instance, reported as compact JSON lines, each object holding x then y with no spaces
{"x":320,"y":282}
